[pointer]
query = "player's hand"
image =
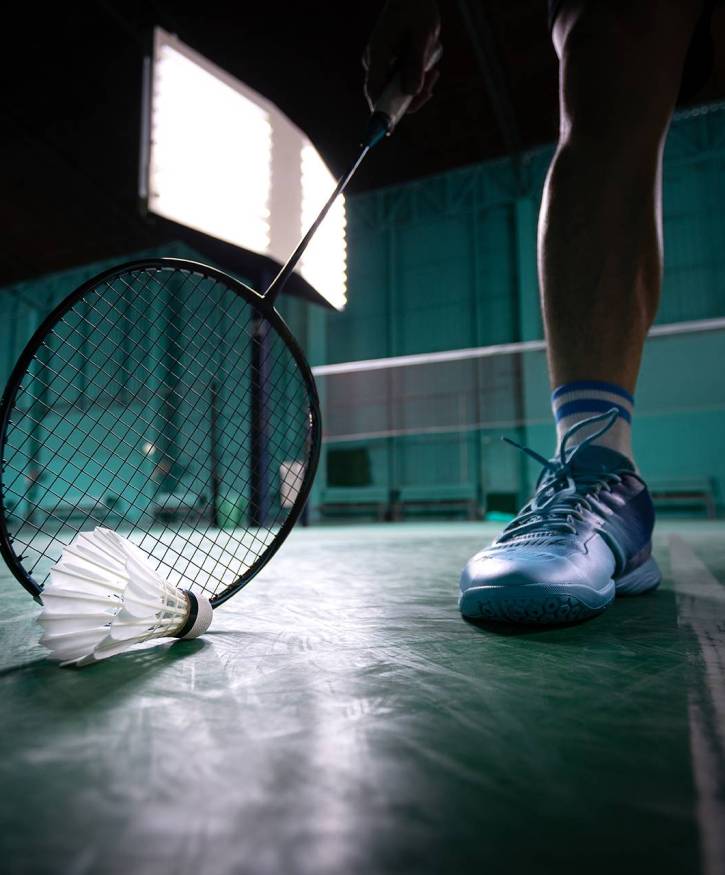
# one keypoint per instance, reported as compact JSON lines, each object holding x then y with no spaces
{"x":405,"y":37}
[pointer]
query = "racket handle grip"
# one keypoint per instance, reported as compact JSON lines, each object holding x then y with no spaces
{"x":392,"y":105}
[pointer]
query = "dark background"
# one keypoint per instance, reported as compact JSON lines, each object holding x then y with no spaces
{"x":71,"y":105}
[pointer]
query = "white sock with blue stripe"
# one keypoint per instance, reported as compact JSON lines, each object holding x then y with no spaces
{"x":573,"y":402}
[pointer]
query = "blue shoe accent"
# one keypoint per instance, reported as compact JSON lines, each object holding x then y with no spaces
{"x":642,"y":579}
{"x":585,"y":535}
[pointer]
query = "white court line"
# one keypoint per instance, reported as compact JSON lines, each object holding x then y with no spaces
{"x":700,"y":598}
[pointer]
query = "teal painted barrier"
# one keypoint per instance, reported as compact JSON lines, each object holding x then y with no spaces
{"x":449,"y":262}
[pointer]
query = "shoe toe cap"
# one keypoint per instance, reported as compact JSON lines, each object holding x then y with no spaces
{"x":513,"y":567}
{"x":510,"y":569}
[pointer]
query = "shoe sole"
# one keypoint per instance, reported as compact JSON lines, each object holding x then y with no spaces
{"x":543,"y":606}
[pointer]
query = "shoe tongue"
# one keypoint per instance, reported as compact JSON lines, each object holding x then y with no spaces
{"x":596,"y":459}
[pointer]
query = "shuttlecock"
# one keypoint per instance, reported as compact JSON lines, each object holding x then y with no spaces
{"x":104,"y":596}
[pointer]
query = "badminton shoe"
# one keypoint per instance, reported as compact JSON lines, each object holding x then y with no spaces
{"x":583,"y":538}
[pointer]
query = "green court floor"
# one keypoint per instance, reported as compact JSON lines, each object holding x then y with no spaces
{"x":340,"y":717}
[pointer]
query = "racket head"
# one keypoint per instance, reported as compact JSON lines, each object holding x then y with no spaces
{"x":168,"y":401}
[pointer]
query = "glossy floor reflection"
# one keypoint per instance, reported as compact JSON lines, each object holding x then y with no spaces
{"x":340,"y":717}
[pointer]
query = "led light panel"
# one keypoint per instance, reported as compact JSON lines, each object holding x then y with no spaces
{"x":220,"y":158}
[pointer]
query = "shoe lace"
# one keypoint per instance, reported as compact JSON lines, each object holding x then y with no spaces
{"x":562,"y":495}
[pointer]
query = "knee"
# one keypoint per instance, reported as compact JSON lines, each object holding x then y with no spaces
{"x":620,"y":69}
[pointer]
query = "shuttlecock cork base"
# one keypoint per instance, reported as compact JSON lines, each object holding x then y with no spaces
{"x":104,"y":596}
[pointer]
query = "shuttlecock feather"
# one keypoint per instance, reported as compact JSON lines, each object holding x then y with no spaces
{"x":104,"y":596}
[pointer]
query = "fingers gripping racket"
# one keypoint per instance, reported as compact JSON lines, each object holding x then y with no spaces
{"x":167,"y":401}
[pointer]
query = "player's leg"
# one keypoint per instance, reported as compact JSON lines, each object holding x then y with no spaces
{"x":600,"y":230}
{"x":591,"y":519}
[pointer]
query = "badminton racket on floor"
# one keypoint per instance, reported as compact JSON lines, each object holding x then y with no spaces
{"x":168,"y":402}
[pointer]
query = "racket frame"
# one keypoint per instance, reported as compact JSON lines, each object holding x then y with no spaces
{"x":262,"y":305}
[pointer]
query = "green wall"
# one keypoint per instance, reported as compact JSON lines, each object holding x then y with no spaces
{"x":23,"y":305}
{"x":84,"y":471}
{"x":449,"y":262}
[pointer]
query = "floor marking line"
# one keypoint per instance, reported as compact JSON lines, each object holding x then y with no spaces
{"x":694,"y":585}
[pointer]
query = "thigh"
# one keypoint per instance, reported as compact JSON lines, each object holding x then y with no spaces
{"x":698,"y":64}
{"x":622,"y":61}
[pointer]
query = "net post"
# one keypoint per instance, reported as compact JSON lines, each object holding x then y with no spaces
{"x":259,"y":492}
{"x":214,"y":453}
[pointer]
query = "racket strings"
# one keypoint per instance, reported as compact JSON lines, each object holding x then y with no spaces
{"x":61,"y":421}
{"x":72,"y":405}
{"x":273,"y":443}
{"x":194,"y":359}
{"x":182,"y":449}
{"x":263,"y":542}
{"x":80,"y":401}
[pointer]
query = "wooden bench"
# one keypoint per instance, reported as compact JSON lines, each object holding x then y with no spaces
{"x":468,"y":506}
{"x":685,"y":493}
{"x":345,"y":502}
{"x":440,"y":500}
{"x":376,"y":509}
{"x":90,"y":509}
{"x":171,"y":508}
